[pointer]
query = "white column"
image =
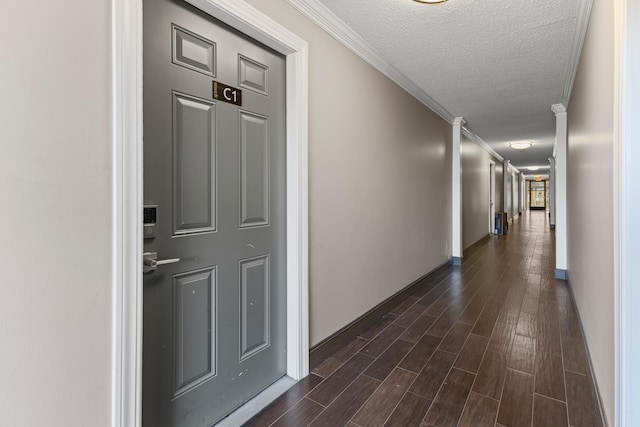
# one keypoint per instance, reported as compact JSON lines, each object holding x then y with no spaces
{"x":506,"y":175}
{"x":523,"y":189}
{"x":520,"y":192}
{"x":456,"y":192}
{"x":561,"y":190}
{"x":627,"y":211}
{"x":552,"y":193}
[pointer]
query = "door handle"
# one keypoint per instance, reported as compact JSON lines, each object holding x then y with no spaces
{"x":154,"y":263}
{"x":151,"y":263}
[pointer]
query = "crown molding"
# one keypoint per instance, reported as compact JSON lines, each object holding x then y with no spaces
{"x":459,"y":121}
{"x":582,"y":22}
{"x":558,"y":109}
{"x":510,"y":167}
{"x":328,"y":21}
{"x":475,"y":138}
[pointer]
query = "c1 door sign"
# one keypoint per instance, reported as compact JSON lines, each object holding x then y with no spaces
{"x":226,"y":93}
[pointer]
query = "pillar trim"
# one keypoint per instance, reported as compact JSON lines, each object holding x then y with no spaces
{"x":560,"y":112}
{"x":520,"y":192}
{"x":456,"y":191}
{"x":506,"y":176}
{"x":552,"y":191}
{"x":626,"y":211}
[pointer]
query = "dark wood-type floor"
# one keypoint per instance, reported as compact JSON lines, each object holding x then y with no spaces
{"x":495,"y":342}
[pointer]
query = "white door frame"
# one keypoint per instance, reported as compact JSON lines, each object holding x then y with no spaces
{"x":127,"y":191}
{"x":492,"y":196}
{"x":627,"y":211}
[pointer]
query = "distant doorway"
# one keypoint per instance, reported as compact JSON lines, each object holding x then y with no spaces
{"x":538,"y":195}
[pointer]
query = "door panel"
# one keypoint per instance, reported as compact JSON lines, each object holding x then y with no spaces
{"x":253,"y":75}
{"x":194,"y":329}
{"x":254,"y":305}
{"x":254,"y":169}
{"x":194,"y":186}
{"x":193,"y":52}
{"x":214,"y":322}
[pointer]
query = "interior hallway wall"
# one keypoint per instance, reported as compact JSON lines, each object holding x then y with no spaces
{"x":475,"y":191}
{"x":590,"y":197}
{"x":55,"y":169}
{"x":379,"y":181}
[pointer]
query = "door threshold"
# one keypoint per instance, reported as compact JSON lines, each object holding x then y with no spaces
{"x":260,"y":401}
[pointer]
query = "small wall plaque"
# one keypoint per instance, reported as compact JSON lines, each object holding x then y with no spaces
{"x":222,"y":92}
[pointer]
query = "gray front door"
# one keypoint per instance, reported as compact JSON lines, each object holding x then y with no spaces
{"x":214,"y":192}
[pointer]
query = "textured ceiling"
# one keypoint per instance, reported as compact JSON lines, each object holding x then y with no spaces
{"x":499,"y":64}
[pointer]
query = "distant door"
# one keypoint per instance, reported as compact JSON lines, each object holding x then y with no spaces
{"x":214,"y":195}
{"x":537,"y":195}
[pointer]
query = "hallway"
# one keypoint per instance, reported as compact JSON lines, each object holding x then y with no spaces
{"x":496,"y":341}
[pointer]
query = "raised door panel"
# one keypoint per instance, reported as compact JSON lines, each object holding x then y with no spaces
{"x":254,"y":170}
{"x":194,"y":329}
{"x":194,"y":162}
{"x":193,"y":51}
{"x":253,"y":75}
{"x":254,"y":305}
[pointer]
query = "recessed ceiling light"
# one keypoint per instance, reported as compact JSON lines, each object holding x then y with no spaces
{"x":430,"y":1}
{"x":520,"y":145}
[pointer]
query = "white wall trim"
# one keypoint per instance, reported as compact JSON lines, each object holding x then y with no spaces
{"x":328,"y":21}
{"x":520,"y":191}
{"x":127,"y":191}
{"x":475,"y":138}
{"x":560,"y":176}
{"x":127,"y":215}
{"x":552,"y":191}
{"x":582,"y":22}
{"x":626,"y":211}
{"x":492,"y":196}
{"x":513,"y":169}
{"x":558,"y":109}
{"x":506,"y":179}
{"x":456,"y":191}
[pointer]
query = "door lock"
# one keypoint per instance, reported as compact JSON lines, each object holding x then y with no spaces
{"x":151,"y":261}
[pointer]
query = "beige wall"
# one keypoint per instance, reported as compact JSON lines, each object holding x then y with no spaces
{"x":475,"y":191}
{"x":589,"y":196}
{"x":379,"y":174}
{"x":55,"y":299}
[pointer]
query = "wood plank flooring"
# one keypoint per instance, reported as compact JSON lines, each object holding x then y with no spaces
{"x":494,"y":342}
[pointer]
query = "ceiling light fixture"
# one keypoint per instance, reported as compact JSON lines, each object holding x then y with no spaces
{"x":520,"y":145}
{"x":430,"y":1}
